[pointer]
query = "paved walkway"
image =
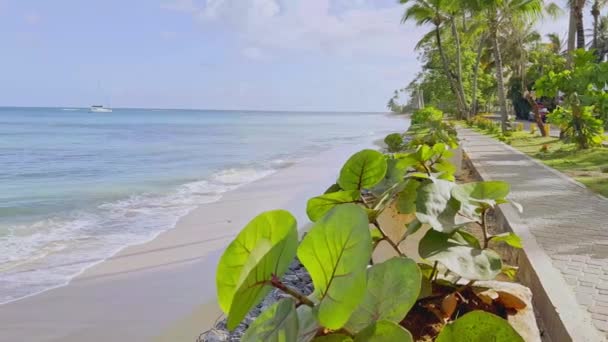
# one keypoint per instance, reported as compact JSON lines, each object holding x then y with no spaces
{"x":569,"y":222}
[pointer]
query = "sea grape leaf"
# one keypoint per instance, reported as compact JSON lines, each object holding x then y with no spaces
{"x":487,"y":192}
{"x":479,"y":326}
{"x":307,"y":324}
{"x":336,"y":252}
{"x":276,"y":324}
{"x":333,"y":338}
{"x":439,"y":148}
{"x":444,"y":166}
{"x":384,"y":331}
{"x":436,"y":207}
{"x":332,"y":188}
{"x":424,"y":153}
{"x":510,"y":301}
{"x":412,"y":228}
{"x":376,"y":234}
{"x":362,"y":170}
{"x":466,"y":238}
{"x":509,"y":271}
{"x":510,"y":239}
{"x":392,"y":289}
{"x":395,"y":171}
{"x":460,"y":257}
{"x":320,"y":205}
{"x":266,"y":246}
{"x":448,"y":305}
{"x":406,"y":201}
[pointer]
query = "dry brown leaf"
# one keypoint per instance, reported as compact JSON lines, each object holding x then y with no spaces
{"x":448,"y":305}
{"x":510,"y":301}
{"x":484,"y":298}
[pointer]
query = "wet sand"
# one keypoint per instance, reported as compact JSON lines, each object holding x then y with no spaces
{"x":164,"y":290}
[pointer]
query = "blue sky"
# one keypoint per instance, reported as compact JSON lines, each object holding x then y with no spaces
{"x":220,"y":54}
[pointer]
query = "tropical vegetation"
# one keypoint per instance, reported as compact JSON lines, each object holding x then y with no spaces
{"x":356,"y":297}
{"x":486,"y":57}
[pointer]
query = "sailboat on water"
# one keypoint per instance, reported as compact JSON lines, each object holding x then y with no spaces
{"x":99,"y":108}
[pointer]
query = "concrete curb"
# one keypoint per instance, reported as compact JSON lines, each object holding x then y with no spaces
{"x":553,"y":298}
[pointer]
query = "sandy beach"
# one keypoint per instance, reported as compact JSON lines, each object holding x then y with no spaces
{"x":165,"y":289}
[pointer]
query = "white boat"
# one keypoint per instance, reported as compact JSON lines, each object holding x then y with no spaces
{"x":99,"y":109}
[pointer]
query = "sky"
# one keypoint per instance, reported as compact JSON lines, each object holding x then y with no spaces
{"x":338,"y":55}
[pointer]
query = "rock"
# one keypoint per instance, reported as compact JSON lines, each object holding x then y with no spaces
{"x":214,"y":335}
{"x":296,"y":277}
{"x":524,"y":321}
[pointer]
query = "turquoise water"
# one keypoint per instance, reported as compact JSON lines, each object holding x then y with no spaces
{"x":76,"y":187}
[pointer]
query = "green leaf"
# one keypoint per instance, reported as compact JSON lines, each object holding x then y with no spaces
{"x":308,"y":326}
{"x":413,"y":227}
{"x":392,"y":289}
{"x":320,"y":205}
{"x":406,"y":201}
{"x":376,"y":234}
{"x":439,"y":148}
{"x":395,"y":172}
{"x":384,"y":331}
{"x":436,"y":207}
{"x":336,"y":252}
{"x":466,"y":238}
{"x":482,"y":192}
{"x":363,"y":170}
{"x":510,"y":239}
{"x":276,"y":324}
{"x":479,"y":326}
{"x":266,"y":246}
{"x":424,"y":153}
{"x":509,"y":271}
{"x":459,"y":257}
{"x":332,"y":188}
{"x":445,"y":167}
{"x":333,"y":338}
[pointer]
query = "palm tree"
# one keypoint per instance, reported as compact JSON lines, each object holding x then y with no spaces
{"x":602,"y":38}
{"x":555,"y":43}
{"x":496,"y":13}
{"x":577,"y":27}
{"x":595,"y":12}
{"x":439,"y":14}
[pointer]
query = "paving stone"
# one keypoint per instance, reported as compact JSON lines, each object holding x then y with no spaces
{"x":567,"y":221}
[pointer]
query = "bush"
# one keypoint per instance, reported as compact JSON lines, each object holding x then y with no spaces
{"x":431,"y":133}
{"x":584,"y":128}
{"x":394,"y":141}
{"x":352,"y":296}
{"x":426,"y":114}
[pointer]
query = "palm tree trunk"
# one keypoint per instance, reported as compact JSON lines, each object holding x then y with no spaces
{"x":476,"y":76}
{"x":502,"y":99}
{"x":448,"y":74}
{"x":580,"y":29}
{"x":571,"y":34}
{"x":595,"y":12}
{"x":459,"y":66}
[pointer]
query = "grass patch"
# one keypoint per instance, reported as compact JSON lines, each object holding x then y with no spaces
{"x":589,"y":167}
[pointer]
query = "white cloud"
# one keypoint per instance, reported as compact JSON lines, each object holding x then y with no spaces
{"x":330,"y":26}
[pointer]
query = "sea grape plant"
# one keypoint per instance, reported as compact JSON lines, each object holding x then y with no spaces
{"x":355,"y":299}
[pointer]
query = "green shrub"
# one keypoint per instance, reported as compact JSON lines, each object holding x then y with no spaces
{"x":353,"y":299}
{"x":584,"y":128}
{"x":431,"y":133}
{"x":426,"y":114}
{"x":394,"y":141}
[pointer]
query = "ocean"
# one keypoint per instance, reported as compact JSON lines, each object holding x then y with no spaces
{"x":76,"y":187}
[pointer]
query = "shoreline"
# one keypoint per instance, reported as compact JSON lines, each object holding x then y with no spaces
{"x":134,"y":283}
